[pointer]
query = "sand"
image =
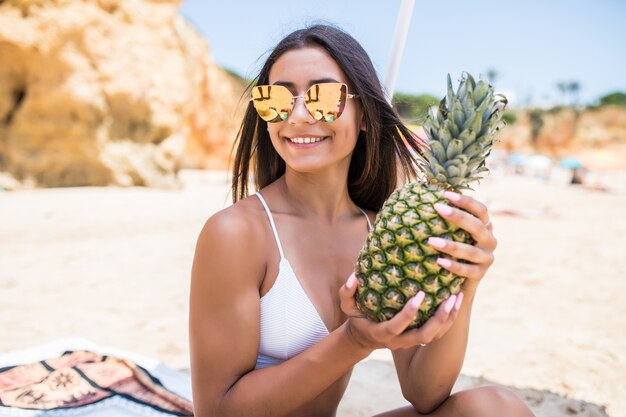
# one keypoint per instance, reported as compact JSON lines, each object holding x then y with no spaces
{"x":112,"y":265}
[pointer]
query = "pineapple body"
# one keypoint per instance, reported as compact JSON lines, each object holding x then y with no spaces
{"x":396,"y":261}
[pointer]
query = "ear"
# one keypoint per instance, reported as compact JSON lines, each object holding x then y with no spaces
{"x":362,"y":124}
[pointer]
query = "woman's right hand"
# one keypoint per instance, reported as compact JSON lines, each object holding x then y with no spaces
{"x":391,"y":334}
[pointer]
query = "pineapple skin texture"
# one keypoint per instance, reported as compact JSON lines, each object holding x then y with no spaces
{"x":396,"y":261}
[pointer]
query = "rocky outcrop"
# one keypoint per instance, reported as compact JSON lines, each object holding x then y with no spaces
{"x":565,"y":131}
{"x":100,"y":92}
{"x":602,"y":127}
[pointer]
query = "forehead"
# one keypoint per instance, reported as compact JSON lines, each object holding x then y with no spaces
{"x":300,"y":66}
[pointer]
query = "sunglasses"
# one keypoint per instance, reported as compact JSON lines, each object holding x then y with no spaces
{"x":324,"y":101}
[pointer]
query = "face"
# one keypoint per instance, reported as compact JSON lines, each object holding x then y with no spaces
{"x":330,"y":143}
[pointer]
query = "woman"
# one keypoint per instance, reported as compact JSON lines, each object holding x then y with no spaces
{"x":273,"y":325}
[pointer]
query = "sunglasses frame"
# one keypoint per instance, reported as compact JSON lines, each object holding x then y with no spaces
{"x":293,"y":102}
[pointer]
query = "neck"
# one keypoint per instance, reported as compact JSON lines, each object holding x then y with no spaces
{"x":323,"y":195}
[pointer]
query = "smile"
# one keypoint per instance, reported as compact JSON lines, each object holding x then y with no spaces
{"x":306,"y":140}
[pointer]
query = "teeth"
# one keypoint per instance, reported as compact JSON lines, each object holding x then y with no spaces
{"x":306,"y":140}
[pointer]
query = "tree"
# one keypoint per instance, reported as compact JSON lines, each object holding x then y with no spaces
{"x":492,"y":75}
{"x":413,"y":108}
{"x":574,"y":89}
{"x":562,"y":87}
{"x":569,"y":89}
{"x":614,"y":99}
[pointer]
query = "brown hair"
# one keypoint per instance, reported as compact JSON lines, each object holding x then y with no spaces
{"x":373,"y":172}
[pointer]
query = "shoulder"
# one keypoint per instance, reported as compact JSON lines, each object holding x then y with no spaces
{"x":232,"y":241}
{"x":234,"y":224}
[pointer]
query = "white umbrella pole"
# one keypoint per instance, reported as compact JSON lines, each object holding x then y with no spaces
{"x":397,"y":47}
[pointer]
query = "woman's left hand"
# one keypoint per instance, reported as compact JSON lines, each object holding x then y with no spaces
{"x":474,"y":218}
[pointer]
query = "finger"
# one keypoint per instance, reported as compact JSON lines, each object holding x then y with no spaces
{"x":438,"y":321}
{"x":451,"y":317}
{"x":346,"y":296}
{"x":473,"y":206}
{"x":466,"y":270}
{"x":471,"y":253}
{"x":467,"y":221}
{"x":433,"y":326}
{"x":405,"y":317}
{"x":489,"y":225}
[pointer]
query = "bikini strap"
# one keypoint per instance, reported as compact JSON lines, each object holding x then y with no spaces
{"x":369,"y":223}
{"x":269,"y":214}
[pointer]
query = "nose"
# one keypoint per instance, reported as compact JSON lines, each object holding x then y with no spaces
{"x":299,"y":112}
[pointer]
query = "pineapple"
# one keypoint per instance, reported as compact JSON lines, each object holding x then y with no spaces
{"x":396,"y":261}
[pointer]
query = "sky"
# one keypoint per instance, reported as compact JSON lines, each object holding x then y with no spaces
{"x":532,"y":45}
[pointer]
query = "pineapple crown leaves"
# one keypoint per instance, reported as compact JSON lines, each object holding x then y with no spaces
{"x":461,"y":132}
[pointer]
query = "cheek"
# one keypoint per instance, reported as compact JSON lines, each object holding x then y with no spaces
{"x":358,"y":119}
{"x":357,"y":124}
{"x":272,"y":130}
{"x":347,"y":139}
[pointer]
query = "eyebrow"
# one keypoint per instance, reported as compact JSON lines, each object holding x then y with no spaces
{"x":311,"y":82}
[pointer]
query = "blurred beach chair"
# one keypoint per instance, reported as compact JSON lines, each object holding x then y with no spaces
{"x":538,"y":166}
{"x":515,"y":163}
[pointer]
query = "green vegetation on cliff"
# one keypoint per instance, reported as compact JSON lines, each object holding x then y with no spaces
{"x":614,"y":99}
{"x":413,"y":108}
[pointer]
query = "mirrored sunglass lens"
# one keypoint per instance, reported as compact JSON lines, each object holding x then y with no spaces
{"x":326,"y":101}
{"x":272,"y":102}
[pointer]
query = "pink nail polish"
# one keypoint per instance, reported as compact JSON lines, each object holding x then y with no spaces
{"x":452,"y":196}
{"x":436,"y":242}
{"x":350,"y":281}
{"x":443,"y":209}
{"x":417,"y":300}
{"x":449,"y":303}
{"x":459,"y":301}
{"x":445,"y":262}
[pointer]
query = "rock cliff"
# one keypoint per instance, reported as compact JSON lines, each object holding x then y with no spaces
{"x":100,"y":92}
{"x":563,"y":132}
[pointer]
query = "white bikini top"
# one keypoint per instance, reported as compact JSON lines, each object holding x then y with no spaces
{"x":290,"y":323}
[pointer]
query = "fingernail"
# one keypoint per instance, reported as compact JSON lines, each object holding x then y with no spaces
{"x":452,"y":196}
{"x":436,"y":242}
{"x":449,"y":303}
{"x":417,"y":300}
{"x":459,"y":300}
{"x":445,"y":262}
{"x":351,"y":280}
{"x":443,"y":209}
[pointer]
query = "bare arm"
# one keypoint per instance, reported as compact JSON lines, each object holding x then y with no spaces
{"x":427,"y":374}
{"x":224,"y":332}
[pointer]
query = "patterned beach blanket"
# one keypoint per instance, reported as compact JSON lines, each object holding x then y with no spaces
{"x":81,"y":378}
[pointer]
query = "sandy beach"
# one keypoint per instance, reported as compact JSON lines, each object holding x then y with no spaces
{"x":112,"y":265}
